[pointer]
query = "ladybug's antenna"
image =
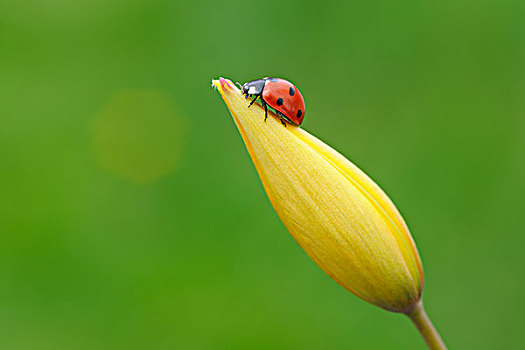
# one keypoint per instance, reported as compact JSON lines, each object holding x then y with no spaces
{"x":240,"y":86}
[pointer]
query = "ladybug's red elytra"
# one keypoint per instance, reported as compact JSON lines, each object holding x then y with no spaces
{"x":279,"y":94}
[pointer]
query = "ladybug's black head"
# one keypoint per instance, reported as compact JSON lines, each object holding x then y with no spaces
{"x":254,"y":87}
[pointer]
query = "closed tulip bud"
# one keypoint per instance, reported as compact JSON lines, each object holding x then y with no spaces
{"x":340,"y":217}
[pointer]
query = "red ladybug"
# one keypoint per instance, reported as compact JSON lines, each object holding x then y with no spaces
{"x":279,"y":94}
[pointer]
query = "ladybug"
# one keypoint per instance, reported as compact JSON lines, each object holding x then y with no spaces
{"x":279,"y":94}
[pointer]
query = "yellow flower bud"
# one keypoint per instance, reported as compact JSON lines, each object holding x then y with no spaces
{"x":337,"y":214}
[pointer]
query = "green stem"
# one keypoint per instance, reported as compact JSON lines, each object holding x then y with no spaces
{"x":425,"y":327}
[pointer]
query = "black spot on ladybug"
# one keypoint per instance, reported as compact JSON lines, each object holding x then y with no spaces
{"x":292,"y":91}
{"x":279,"y":101}
{"x":299,"y":113}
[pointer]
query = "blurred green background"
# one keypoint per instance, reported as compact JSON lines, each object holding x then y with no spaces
{"x":131,"y":216}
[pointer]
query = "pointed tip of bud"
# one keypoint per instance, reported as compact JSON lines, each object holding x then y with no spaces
{"x":223,"y":85}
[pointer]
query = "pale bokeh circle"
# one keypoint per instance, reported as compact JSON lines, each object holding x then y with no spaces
{"x":139,"y":135}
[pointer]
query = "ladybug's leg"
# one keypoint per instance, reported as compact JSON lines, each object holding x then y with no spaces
{"x":251,"y":103}
{"x":281,"y":118}
{"x":265,"y":111}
